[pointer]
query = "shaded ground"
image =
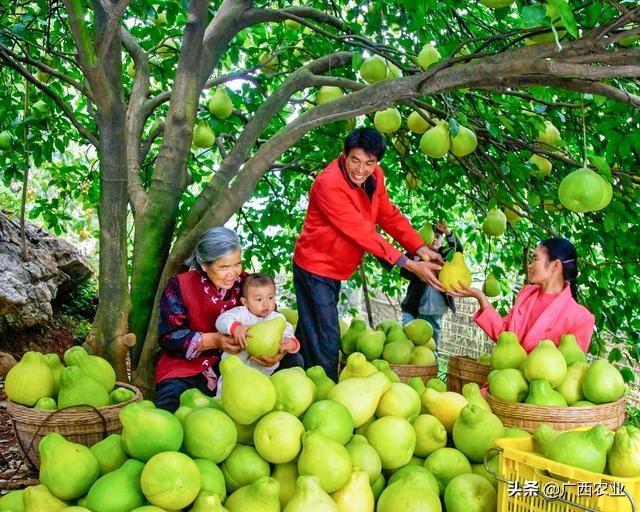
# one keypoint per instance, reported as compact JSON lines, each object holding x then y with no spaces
{"x":15,"y":473}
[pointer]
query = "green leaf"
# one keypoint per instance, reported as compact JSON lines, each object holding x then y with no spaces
{"x":533,"y":16}
{"x":502,"y":12}
{"x":627,"y":374}
{"x":566,"y":15}
{"x":356,"y":60}
{"x":610,"y":221}
{"x":454,"y":127}
{"x":601,"y":164}
{"x":448,"y":254}
{"x":593,"y":12}
{"x":615,"y":355}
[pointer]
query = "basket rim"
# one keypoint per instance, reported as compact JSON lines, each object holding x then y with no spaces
{"x":13,"y":407}
{"x":413,"y":365}
{"x":582,"y":409}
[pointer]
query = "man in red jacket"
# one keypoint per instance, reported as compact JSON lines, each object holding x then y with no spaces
{"x":348,"y":200}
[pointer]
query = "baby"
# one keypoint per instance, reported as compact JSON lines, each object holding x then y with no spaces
{"x":258,"y":304}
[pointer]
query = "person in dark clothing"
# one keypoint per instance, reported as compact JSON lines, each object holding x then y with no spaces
{"x":424,"y":301}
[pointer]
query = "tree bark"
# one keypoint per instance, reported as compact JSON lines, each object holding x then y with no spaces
{"x":110,"y":326}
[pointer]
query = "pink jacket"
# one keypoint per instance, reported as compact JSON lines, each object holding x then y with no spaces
{"x":563,"y":316}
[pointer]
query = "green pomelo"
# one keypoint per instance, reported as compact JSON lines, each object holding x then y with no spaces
{"x":294,"y":390}
{"x":394,"y":439}
{"x":209,"y":434}
{"x":331,"y":418}
{"x":430,"y":435}
{"x":470,"y":493}
{"x":475,"y":432}
{"x":118,"y":491}
{"x":364,"y":456}
{"x":29,"y":380}
{"x":247,"y":394}
{"x":170,"y":480}
{"x":445,"y":464}
{"x":399,"y":400}
{"x":243,"y":466}
{"x":67,"y":469}
{"x":545,"y":362}
{"x":278,"y":437}
{"x":109,"y":453}
{"x":325,"y":458}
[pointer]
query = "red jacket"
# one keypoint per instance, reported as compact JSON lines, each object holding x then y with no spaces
{"x":563,"y":316}
{"x":341,"y":225}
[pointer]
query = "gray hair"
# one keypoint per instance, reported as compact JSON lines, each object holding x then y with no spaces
{"x":215,"y":243}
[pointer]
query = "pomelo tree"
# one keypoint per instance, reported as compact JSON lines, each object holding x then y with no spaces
{"x":114,"y":100}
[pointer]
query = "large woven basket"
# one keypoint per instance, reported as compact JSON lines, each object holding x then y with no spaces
{"x":84,"y":425}
{"x":528,"y":417}
{"x":462,"y":370}
{"x":404,"y":371}
{"x":408,"y":371}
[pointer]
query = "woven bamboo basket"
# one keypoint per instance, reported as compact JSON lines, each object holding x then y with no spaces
{"x":528,"y":417}
{"x":408,"y":371}
{"x":84,"y":424}
{"x":404,"y":371}
{"x":462,"y":370}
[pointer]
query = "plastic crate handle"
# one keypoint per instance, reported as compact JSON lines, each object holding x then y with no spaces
{"x":498,"y":451}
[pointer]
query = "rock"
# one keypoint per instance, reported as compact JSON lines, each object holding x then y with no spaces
{"x":7,"y":361}
{"x":28,"y":287}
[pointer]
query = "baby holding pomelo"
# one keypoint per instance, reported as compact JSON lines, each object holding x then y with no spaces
{"x":261,"y":331}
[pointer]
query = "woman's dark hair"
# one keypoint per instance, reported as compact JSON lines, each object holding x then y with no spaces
{"x":563,"y":250}
{"x":369,"y":140}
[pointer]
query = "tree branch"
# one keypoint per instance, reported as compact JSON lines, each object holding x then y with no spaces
{"x":584,"y":86}
{"x":146,"y":146}
{"x":300,"y":79}
{"x":114,"y":13}
{"x":170,"y":172}
{"x":152,"y":103}
{"x":86,"y":51}
{"x":135,"y":120}
{"x":61,"y":104}
{"x":48,"y":69}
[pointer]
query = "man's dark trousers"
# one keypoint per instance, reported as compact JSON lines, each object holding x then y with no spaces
{"x":318,"y":328}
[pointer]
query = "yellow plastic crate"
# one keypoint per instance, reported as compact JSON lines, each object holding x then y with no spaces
{"x":523,"y":474}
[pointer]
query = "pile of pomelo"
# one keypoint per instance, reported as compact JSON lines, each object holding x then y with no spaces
{"x":294,"y":441}
{"x":391,"y":342}
{"x":43,"y":382}
{"x":551,"y":376}
{"x":297,"y":441}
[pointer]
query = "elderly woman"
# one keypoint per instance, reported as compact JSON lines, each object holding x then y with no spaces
{"x":190,"y":306}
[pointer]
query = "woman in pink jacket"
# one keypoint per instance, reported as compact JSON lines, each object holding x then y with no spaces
{"x":545,"y":309}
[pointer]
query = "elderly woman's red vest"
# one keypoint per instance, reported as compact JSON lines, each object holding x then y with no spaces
{"x":203,"y":304}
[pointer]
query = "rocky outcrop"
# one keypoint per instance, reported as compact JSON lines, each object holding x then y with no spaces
{"x":28,"y":286}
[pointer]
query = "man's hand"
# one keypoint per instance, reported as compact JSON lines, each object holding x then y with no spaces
{"x":425,"y":270}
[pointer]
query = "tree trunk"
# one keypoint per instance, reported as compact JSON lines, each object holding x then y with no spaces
{"x":153,"y":235}
{"x":110,"y":324}
{"x":109,"y":334}
{"x":156,"y":223}
{"x":149,"y":350}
